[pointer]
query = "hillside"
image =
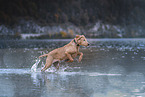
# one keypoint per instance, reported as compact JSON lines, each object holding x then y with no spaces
{"x":81,"y":16}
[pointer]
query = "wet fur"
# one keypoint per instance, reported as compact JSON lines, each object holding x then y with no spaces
{"x":67,"y":52}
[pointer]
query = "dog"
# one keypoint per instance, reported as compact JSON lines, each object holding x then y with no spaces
{"x":67,"y":52}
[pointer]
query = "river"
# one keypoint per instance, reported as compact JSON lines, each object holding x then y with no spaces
{"x":109,"y":68}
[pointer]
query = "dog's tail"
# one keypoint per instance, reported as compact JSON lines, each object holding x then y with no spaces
{"x":43,"y":55}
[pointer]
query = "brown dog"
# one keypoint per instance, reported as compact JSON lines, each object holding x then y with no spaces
{"x":67,"y":52}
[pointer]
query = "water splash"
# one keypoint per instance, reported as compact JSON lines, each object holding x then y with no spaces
{"x":34,"y":67}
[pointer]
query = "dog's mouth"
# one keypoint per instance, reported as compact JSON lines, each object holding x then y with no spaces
{"x":86,"y":45}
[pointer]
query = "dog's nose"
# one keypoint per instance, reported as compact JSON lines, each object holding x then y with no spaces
{"x":88,"y":44}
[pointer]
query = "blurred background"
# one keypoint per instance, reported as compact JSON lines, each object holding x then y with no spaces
{"x":47,"y":19}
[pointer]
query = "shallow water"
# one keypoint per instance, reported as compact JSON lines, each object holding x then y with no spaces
{"x":110,"y":68}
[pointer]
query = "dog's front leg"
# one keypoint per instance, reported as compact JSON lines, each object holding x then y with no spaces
{"x":81,"y":56}
{"x":69,"y":57}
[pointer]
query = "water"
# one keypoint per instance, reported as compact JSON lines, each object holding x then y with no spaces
{"x":109,"y":68}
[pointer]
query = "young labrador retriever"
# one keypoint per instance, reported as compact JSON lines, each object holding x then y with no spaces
{"x":67,"y":52}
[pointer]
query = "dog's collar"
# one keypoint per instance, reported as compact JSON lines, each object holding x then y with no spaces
{"x":76,"y":43}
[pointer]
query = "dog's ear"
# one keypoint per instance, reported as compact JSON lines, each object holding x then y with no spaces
{"x":77,"y":36}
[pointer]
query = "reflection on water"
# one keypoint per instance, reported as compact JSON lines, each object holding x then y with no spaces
{"x":110,"y":68}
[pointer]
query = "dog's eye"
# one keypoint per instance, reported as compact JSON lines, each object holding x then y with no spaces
{"x":84,"y":40}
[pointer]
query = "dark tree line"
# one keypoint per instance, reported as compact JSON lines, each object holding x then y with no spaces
{"x":78,"y":12}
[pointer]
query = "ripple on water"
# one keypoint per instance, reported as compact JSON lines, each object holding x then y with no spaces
{"x":134,"y":81}
{"x":117,"y":80}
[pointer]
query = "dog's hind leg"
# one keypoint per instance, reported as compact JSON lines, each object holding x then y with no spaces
{"x":56,"y":64}
{"x":49,"y":61}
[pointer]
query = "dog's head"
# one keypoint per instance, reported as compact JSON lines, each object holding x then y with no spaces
{"x":81,"y":40}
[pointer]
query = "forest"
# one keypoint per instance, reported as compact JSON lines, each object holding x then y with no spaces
{"x":127,"y":15}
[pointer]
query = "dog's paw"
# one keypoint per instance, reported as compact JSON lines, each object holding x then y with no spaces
{"x":70,"y":60}
{"x":80,"y":59}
